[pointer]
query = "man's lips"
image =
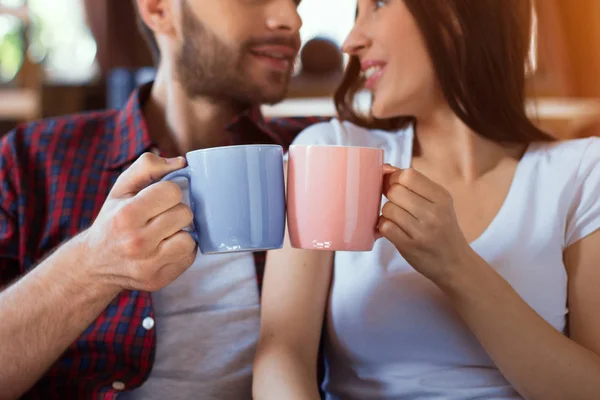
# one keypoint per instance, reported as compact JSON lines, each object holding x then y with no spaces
{"x":279,"y":57}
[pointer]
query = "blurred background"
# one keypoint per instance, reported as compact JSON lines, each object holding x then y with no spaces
{"x":65,"y":56}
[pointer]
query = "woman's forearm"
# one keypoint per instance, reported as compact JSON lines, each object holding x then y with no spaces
{"x":279,"y":373}
{"x":540,"y":362}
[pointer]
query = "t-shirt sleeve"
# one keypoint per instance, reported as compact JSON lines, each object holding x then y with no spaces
{"x":585,"y":219}
{"x":324,"y":133}
{"x":330,"y":133}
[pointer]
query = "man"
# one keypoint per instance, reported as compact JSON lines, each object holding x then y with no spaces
{"x":103,"y":294}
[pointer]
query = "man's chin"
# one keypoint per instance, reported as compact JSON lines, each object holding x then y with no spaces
{"x":271,"y":87}
{"x":269,"y":94}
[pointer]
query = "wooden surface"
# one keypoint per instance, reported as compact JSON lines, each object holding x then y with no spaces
{"x":563,"y":117}
{"x":568,"y":49}
{"x":553,"y":74}
{"x":581,"y":21}
{"x":19,"y":104}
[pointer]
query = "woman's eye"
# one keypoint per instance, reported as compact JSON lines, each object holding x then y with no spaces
{"x":380,"y":3}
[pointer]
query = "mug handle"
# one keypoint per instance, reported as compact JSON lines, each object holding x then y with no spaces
{"x":183,"y":173}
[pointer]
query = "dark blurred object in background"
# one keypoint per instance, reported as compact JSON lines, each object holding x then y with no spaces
{"x":120,"y":45}
{"x":122,"y":81}
{"x":123,"y":55}
{"x":321,"y":56}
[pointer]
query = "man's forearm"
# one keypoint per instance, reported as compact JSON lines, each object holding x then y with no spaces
{"x":43,"y":313}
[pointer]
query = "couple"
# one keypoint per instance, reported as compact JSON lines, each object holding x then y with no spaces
{"x":484,"y":284}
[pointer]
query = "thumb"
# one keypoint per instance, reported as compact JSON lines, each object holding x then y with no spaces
{"x":146,"y":170}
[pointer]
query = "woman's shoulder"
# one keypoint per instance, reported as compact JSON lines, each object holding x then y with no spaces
{"x":345,"y":133}
{"x":572,"y":167}
{"x":574,"y":157}
{"x":563,"y":150}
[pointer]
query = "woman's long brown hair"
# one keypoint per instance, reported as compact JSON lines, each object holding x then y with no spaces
{"x":480,"y":52}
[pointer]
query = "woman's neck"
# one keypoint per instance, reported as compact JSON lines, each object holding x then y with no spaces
{"x":447,"y":149}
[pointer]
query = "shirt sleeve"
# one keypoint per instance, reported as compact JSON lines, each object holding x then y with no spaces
{"x":288,"y":128}
{"x":9,"y":233}
{"x":325,"y":133}
{"x":585,"y":217}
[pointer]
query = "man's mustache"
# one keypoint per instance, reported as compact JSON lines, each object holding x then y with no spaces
{"x":293,"y":42}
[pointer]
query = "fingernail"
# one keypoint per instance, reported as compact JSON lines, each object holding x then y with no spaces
{"x":174,"y":160}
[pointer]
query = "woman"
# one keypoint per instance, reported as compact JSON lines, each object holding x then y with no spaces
{"x":490,"y":241}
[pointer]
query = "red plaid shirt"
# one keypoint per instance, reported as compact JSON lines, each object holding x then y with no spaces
{"x":54,"y":177}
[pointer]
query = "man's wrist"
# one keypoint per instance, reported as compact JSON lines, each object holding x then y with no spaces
{"x":74,"y":265}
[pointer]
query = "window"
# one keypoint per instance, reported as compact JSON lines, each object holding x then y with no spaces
{"x":11,"y":42}
{"x":59,"y":39}
{"x":332,"y":19}
{"x":63,"y":40}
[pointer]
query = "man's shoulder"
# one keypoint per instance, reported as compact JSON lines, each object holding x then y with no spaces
{"x":58,"y":133}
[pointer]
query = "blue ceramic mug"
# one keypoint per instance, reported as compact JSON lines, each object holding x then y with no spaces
{"x":237,"y":196}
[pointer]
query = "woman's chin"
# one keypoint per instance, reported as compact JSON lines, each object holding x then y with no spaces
{"x":380,"y":111}
{"x":392,"y":107}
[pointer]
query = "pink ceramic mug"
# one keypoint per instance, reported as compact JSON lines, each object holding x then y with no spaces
{"x":334,"y":197}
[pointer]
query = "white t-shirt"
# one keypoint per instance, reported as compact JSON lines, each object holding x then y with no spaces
{"x":392,"y":334}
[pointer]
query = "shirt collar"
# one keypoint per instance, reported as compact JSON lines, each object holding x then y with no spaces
{"x":131,"y":137}
{"x":256,"y":118}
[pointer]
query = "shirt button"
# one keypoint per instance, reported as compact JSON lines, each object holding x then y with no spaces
{"x":148,"y":323}
{"x":118,"y":385}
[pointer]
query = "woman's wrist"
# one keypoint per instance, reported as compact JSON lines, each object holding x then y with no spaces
{"x":468,"y":277}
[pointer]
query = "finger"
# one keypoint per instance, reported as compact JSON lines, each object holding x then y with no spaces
{"x":400,"y":217}
{"x":176,"y":247}
{"x":170,"y":272}
{"x":378,"y":234}
{"x":404,"y":198}
{"x":392,"y":232}
{"x":388,"y":170}
{"x":144,"y":171}
{"x":169,"y":223}
{"x":156,"y":199}
{"x":419,"y":184}
{"x":173,"y":268}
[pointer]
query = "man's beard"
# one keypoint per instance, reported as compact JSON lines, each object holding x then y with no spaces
{"x":207,"y":67}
